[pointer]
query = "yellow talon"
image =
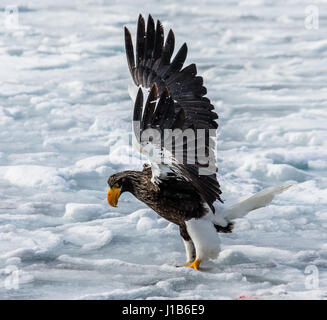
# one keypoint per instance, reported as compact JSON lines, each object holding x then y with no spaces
{"x":188,"y":263}
{"x":195,"y":265}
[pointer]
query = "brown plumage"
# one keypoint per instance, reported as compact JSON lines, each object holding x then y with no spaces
{"x":176,"y":191}
{"x":175,"y":200}
{"x":180,"y":90}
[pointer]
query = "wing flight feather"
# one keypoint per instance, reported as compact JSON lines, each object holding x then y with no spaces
{"x":175,"y":101}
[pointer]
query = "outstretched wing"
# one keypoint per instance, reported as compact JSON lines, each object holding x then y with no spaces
{"x":176,"y":100}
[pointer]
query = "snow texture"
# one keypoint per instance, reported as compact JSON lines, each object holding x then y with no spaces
{"x":65,"y":123}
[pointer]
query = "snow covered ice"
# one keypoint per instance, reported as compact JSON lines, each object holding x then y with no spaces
{"x":64,"y":107}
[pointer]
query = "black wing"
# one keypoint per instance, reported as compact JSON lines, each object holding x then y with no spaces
{"x":181,"y":91}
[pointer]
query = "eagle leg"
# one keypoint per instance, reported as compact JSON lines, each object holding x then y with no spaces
{"x":189,"y":245}
{"x":190,"y":251}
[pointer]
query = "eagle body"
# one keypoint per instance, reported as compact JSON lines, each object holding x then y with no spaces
{"x":174,"y":200}
{"x":167,"y":129}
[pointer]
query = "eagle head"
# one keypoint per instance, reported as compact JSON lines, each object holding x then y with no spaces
{"x":118,"y":183}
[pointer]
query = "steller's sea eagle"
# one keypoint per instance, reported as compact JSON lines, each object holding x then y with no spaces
{"x":181,"y":189}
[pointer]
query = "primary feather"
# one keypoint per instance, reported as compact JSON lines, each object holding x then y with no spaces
{"x":181,"y":105}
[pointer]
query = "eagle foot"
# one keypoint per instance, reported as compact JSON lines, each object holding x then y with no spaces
{"x":195,"y":264}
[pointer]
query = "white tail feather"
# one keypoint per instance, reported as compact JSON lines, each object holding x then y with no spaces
{"x":259,"y":200}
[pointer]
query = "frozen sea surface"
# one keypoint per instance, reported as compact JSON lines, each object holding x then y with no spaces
{"x":64,"y":107}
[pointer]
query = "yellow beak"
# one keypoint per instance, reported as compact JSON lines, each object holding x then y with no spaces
{"x":113,"y":196}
